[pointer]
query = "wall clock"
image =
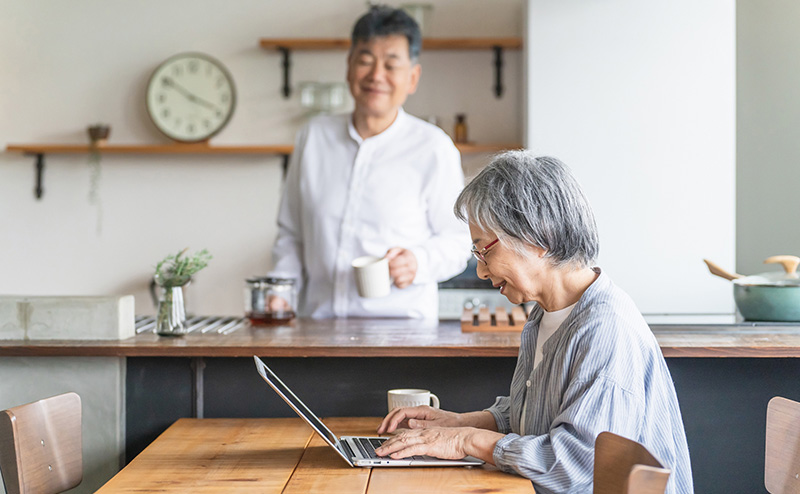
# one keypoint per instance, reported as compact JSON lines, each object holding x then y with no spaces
{"x":191,"y":97}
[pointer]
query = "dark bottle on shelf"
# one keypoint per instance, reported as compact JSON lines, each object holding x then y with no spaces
{"x":460,"y":131}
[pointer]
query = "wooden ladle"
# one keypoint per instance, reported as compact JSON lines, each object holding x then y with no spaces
{"x":716,"y":270}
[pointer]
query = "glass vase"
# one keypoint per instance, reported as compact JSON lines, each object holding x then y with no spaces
{"x":171,"y":315}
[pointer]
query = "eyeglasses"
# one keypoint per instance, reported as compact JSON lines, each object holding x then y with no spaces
{"x":478,"y":254}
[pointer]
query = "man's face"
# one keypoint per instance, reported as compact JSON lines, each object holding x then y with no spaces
{"x":381,"y":75}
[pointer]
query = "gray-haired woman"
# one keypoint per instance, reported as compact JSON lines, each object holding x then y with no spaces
{"x":587,"y":362}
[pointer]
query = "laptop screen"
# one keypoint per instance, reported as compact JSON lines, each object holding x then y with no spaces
{"x":294,"y":401}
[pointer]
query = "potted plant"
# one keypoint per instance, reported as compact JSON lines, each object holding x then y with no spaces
{"x":172,"y":274}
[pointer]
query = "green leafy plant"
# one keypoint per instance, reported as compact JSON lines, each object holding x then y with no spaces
{"x":177,"y":269}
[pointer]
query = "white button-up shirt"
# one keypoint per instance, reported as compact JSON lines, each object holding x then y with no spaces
{"x":347,"y":197}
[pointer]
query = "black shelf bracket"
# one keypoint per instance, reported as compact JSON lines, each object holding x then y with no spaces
{"x":287,"y":63}
{"x":498,"y":71}
{"x":39,"y":190}
{"x":285,"y":165}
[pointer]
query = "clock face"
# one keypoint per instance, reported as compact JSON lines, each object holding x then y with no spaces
{"x":191,"y":97}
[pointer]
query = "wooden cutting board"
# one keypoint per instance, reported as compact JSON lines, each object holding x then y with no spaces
{"x":498,"y":320}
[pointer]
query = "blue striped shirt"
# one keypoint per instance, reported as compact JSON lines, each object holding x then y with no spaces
{"x":602,"y":370}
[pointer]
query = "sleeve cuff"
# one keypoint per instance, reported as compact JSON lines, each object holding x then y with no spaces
{"x":499,"y":453}
{"x":503,"y":425}
{"x":423,"y":274}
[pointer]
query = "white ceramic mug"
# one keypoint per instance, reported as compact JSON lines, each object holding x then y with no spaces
{"x":401,"y":398}
{"x":372,"y":276}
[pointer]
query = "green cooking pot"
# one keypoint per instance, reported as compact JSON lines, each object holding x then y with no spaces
{"x":773,"y":296}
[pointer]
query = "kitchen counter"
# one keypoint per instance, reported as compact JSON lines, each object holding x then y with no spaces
{"x":344,"y":367}
{"x":678,"y":337}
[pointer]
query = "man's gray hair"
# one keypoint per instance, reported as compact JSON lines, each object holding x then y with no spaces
{"x":381,"y":21}
{"x":532,"y":201}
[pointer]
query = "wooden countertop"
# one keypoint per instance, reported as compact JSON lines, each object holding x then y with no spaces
{"x":405,"y":338}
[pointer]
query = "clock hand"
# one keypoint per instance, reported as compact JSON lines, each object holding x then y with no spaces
{"x":191,"y":97}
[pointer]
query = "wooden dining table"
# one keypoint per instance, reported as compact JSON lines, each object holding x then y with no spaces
{"x":284,"y":455}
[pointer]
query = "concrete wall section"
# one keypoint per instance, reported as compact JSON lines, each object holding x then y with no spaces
{"x":100,"y":382}
{"x":768,"y":168}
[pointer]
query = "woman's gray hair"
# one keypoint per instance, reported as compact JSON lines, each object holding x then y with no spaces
{"x":530,"y":200}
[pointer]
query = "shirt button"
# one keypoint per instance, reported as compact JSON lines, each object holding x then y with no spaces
{"x":528,"y":383}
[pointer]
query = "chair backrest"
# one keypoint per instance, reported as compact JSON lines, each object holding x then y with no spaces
{"x":40,"y":445}
{"x":782,"y":452}
{"x":623,"y":466}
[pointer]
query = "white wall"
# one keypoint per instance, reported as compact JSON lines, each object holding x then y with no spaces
{"x":768,"y":100}
{"x":639,"y":99}
{"x":66,"y":65}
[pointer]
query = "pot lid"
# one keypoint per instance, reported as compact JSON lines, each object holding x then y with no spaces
{"x":788,"y":277}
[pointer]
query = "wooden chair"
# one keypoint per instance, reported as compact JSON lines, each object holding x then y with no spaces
{"x":623,"y":466}
{"x":782,"y":458}
{"x":40,"y":446}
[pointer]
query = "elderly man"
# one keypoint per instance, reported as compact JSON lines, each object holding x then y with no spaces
{"x":376,"y":182}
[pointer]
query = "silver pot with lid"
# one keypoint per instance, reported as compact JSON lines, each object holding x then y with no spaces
{"x":772,"y":296}
{"x":270,"y":300}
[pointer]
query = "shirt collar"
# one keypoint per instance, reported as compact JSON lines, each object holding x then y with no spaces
{"x":398,"y":123}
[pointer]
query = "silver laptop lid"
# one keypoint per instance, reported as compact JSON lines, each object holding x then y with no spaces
{"x":299,"y":407}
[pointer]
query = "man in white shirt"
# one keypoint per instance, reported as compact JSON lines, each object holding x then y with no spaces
{"x":378,"y":182}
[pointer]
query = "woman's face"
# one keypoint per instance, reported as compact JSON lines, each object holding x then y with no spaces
{"x":519,"y":278}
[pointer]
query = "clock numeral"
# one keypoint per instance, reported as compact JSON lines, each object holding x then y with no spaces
{"x":218,"y":114}
{"x":177,"y":70}
{"x":193,"y":66}
{"x":178,"y":122}
{"x":220,"y":82}
{"x":190,"y":128}
{"x":162,"y":97}
{"x":224,"y":97}
{"x":165,"y":112}
{"x":207,"y":123}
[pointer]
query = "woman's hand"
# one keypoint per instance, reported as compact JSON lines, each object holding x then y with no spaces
{"x":442,"y":442}
{"x":449,"y":443}
{"x":418,"y":418}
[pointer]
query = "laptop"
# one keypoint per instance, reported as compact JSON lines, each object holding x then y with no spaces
{"x":356,"y":451}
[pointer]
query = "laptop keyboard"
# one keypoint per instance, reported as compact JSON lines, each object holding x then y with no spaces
{"x":367,"y":447}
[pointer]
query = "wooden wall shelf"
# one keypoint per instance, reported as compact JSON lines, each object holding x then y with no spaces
{"x":471,"y":147}
{"x":286,"y":45}
{"x":147,"y":149}
{"x":510,"y":43}
{"x":40,"y":150}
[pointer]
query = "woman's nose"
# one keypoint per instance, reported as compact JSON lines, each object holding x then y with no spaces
{"x":482,"y":271}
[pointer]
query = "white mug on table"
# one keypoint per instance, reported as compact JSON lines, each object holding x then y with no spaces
{"x":402,"y":398}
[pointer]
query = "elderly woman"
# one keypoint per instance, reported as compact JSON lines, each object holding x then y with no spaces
{"x":587,"y":362}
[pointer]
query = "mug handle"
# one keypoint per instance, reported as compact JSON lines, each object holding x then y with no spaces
{"x":435,"y":400}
